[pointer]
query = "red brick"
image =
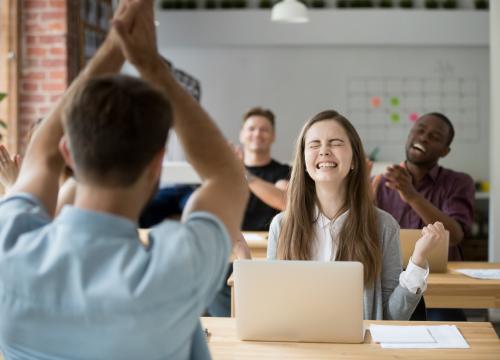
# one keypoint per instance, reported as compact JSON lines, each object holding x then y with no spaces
{"x":30,"y":63}
{"x":28,"y":110}
{"x":53,"y":87}
{"x":56,"y":26}
{"x":52,"y":39}
{"x":34,"y":4}
{"x":31,"y":16}
{"x":54,"y":15}
{"x":57,"y":75}
{"x":36,"y":51}
{"x":58,"y":51}
{"x":55,"y":98}
{"x":32,"y":98}
{"x":58,"y":4}
{"x":36,"y":28}
{"x":34,"y":75}
{"x":31,"y":40}
{"x":53,"y":63}
{"x":30,"y":86}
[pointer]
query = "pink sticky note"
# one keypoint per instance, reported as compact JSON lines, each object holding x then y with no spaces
{"x":413,"y":117}
{"x":375,"y":101}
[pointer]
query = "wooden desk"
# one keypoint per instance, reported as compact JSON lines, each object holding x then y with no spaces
{"x":223,"y":344}
{"x":455,"y":290}
{"x":451,"y":289}
{"x":257,"y":242}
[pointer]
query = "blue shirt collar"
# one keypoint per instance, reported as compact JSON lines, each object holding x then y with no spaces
{"x":98,"y":222}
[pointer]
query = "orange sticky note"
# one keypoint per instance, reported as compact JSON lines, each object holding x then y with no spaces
{"x":376,"y":102}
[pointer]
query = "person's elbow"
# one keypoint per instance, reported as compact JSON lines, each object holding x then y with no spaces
{"x":281,"y":203}
{"x":457,"y":236}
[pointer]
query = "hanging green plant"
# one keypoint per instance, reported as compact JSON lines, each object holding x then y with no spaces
{"x":481,"y":4}
{"x":265,"y":4}
{"x":450,"y":4}
{"x":210,"y":4}
{"x":386,"y":4}
{"x":167,"y":4}
{"x":318,"y":4}
{"x":406,"y":4}
{"x":431,"y":4}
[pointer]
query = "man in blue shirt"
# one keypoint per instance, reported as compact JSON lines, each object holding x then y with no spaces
{"x":82,"y":285}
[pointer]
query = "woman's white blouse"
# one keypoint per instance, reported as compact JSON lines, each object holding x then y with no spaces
{"x":414,"y":278}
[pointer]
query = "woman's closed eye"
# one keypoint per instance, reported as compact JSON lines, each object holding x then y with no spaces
{"x":336,"y":142}
{"x":314,"y":145}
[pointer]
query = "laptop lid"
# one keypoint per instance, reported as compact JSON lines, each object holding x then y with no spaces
{"x":438,"y":258}
{"x":306,"y":301}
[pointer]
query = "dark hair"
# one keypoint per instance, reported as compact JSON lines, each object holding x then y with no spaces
{"x":447,"y":121}
{"x":115,"y":125}
{"x":258,"y":111}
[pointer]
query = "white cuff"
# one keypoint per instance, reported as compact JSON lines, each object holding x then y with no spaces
{"x":414,"y":278}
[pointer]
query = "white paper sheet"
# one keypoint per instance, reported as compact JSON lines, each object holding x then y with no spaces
{"x":443,"y":337}
{"x":401,"y":334}
{"x":486,"y":274}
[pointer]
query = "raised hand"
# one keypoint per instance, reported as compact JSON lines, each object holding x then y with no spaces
{"x":432,"y":235}
{"x":136,"y":32}
{"x":399,"y":178}
{"x":9,"y":168}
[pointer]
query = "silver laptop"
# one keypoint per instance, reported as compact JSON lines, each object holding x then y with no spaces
{"x":306,"y":301}
{"x":438,"y":257}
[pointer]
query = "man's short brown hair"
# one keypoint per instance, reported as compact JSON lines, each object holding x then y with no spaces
{"x":115,"y":126}
{"x":258,"y":111}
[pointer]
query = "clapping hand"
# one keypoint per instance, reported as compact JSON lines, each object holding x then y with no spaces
{"x":9,"y":168}
{"x":399,"y":178}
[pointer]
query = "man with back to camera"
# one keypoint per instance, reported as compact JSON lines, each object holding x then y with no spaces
{"x":420,"y":192}
{"x":84,"y":277}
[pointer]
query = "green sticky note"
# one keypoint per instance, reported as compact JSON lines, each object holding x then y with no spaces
{"x":394,"y":101}
{"x":395,"y":118}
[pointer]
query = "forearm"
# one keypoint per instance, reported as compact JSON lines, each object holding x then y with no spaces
{"x":268,"y":193}
{"x":430,"y":214}
{"x":240,"y":248}
{"x":108,"y":59}
{"x":401,"y":304}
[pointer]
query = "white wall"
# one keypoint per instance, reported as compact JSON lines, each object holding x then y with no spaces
{"x":494,"y":233}
{"x":242,"y":60}
{"x":298,"y":81}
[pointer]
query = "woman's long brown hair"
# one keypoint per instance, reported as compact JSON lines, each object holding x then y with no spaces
{"x":358,"y":238}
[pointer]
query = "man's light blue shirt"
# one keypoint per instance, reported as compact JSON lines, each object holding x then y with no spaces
{"x":83,"y":286}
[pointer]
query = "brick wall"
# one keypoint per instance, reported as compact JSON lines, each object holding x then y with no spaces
{"x":43,"y":60}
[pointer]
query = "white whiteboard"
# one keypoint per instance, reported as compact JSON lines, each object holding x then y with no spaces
{"x":385,"y":108}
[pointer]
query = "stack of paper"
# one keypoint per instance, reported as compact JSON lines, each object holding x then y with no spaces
{"x":488,"y":274}
{"x":424,"y":337}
